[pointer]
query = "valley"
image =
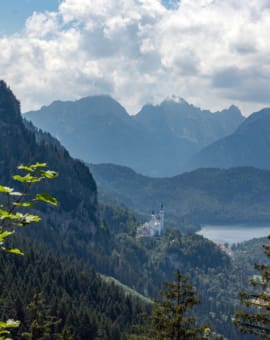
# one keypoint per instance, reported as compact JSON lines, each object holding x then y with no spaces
{"x":203,"y":196}
{"x":95,"y":227}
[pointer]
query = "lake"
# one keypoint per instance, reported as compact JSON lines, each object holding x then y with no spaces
{"x":233,"y":233}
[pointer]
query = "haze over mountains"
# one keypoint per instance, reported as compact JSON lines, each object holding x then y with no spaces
{"x":249,"y":145}
{"x":158,"y":141}
{"x":165,"y":139}
{"x":204,"y":196}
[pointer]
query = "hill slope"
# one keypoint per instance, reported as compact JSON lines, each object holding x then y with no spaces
{"x":237,"y":195}
{"x":86,"y":305}
{"x":158,"y":141}
{"x":249,"y":145}
{"x":75,"y":189}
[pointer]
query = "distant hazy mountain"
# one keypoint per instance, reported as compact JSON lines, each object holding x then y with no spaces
{"x":249,"y":145}
{"x":237,"y":195}
{"x":158,"y":141}
{"x":182,"y":120}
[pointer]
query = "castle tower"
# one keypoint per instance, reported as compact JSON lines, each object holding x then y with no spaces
{"x":161,"y":216}
{"x":153,"y":217}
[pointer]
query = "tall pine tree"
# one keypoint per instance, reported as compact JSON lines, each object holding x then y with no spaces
{"x":43,"y":324}
{"x":170,"y":318}
{"x":256,"y":320}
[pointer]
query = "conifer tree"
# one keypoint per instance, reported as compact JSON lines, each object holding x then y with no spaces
{"x":256,"y":320}
{"x":43,"y":325}
{"x":170,"y":318}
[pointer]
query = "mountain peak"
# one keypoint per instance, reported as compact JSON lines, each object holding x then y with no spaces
{"x":235,"y":111}
{"x":9,"y":105}
{"x":103,"y":102}
{"x":175,"y":99}
{"x":258,"y":121}
{"x":234,"y":108}
{"x":247,"y":146}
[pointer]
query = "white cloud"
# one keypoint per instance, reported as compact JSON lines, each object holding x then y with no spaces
{"x":211,"y":52}
{"x":39,"y":25}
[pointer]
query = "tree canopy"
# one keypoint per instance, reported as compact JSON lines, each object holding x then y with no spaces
{"x":255,"y":319}
{"x":171,"y":318}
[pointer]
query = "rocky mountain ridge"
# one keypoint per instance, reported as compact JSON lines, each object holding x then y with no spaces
{"x":249,"y":145}
{"x":158,"y":141}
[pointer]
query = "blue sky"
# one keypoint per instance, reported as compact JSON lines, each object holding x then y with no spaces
{"x":13,"y":13}
{"x":171,"y":4}
{"x":211,"y":53}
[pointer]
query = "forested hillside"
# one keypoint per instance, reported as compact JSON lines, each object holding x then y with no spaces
{"x":237,"y":195}
{"x":64,"y":297}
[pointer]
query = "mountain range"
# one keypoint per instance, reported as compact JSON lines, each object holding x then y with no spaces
{"x":249,"y":145}
{"x":158,"y":141}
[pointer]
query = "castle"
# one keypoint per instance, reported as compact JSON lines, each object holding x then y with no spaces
{"x":154,"y":227}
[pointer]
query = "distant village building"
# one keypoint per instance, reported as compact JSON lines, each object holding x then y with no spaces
{"x":154,"y":227}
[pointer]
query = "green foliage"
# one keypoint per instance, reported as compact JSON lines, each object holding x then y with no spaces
{"x":170,"y":318}
{"x":10,"y":218}
{"x":43,"y":324}
{"x":47,"y":198}
{"x":12,"y":200}
{"x":72,"y":292}
{"x":119,"y":220}
{"x":144,"y":263}
{"x":255,"y":319}
{"x":5,"y":327}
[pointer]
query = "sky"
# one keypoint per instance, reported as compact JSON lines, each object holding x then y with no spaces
{"x":212,"y":53}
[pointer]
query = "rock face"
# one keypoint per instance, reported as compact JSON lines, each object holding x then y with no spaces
{"x":183,"y":120}
{"x":158,"y":141}
{"x":9,"y":105}
{"x":249,"y":145}
{"x":76,"y":218}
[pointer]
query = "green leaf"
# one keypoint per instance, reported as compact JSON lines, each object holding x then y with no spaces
{"x":26,"y":179}
{"x":5,"y":189}
{"x":10,"y":324}
{"x":46,"y":198}
{"x":29,"y":218}
{"x":31,"y":167}
{"x":5,"y":234}
{"x":5,"y":215}
{"x":39,"y":165}
{"x":25,"y":167}
{"x":21,"y":218}
{"x":24,"y":204}
{"x":14,"y":251}
{"x":49,"y":174}
{"x":16,"y":193}
{"x":18,"y":224}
